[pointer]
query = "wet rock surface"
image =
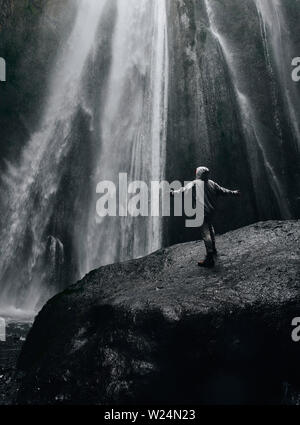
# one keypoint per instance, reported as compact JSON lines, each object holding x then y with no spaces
{"x":159,"y":329}
{"x":217,"y":49}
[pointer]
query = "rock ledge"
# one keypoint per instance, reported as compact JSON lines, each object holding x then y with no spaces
{"x":161,"y":330}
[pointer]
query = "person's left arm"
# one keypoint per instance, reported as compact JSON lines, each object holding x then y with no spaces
{"x":222,"y":191}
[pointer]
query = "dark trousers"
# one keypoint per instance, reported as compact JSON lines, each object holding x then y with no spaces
{"x":208,"y":235}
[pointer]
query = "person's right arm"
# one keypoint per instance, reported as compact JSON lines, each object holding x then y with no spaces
{"x":186,"y":188}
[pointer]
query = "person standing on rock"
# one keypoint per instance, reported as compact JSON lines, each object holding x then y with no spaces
{"x":212,"y":191}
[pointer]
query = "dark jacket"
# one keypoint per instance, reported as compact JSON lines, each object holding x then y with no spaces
{"x":212,"y":191}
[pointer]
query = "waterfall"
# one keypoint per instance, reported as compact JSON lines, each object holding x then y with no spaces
{"x":210,"y":80}
{"x":256,"y":140}
{"x":32,"y":186}
{"x":133,"y":128}
{"x":130,"y":137}
{"x":276,"y":43}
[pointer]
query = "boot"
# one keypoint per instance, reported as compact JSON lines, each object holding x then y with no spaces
{"x":209,"y":261}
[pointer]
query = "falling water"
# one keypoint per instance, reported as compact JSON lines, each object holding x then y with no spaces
{"x":132,"y":139}
{"x":254,"y":134}
{"x":133,"y":128}
{"x":276,"y":43}
{"x":112,"y":73}
{"x":31,"y":196}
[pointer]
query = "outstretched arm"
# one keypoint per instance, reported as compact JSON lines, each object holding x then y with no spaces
{"x":188,"y":187}
{"x":222,"y":191}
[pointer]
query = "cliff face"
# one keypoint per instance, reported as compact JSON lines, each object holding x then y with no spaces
{"x":204,"y":123}
{"x":231,"y":101}
{"x":217,"y":49}
{"x":6,"y":7}
{"x":30,"y":35}
{"x":159,"y":329}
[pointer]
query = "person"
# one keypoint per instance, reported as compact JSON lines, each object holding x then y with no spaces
{"x":212,"y":191}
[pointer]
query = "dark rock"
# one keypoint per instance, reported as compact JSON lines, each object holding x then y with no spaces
{"x":150,"y":330}
{"x":9,"y":353}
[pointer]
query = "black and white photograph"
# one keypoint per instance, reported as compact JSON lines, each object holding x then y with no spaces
{"x":149,"y":205}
